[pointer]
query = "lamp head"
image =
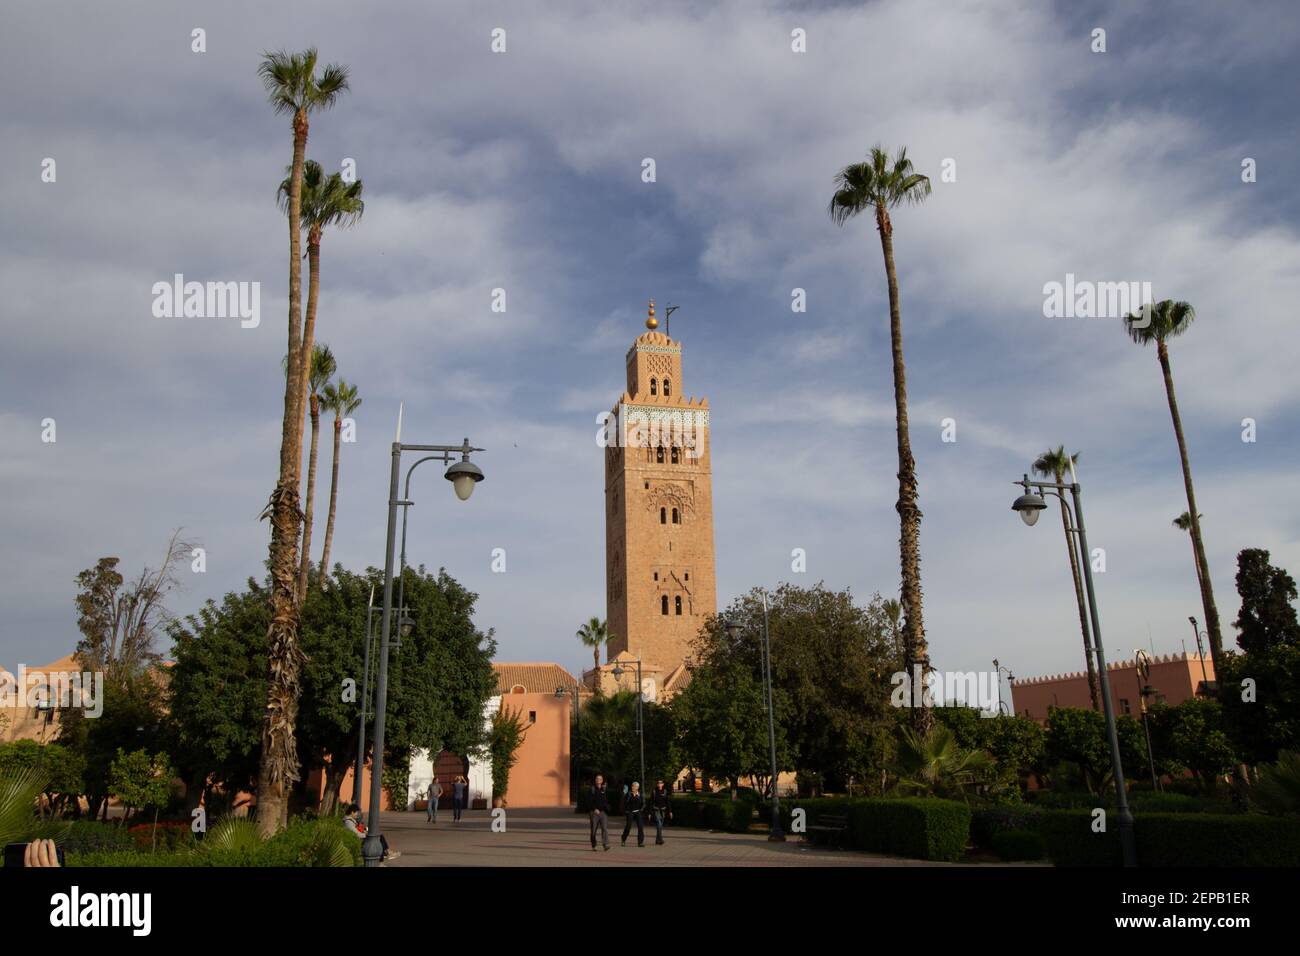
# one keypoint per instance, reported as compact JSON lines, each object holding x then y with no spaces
{"x":1029,"y":505}
{"x":464,"y":474}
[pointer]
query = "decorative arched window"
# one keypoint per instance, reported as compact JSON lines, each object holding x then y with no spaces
{"x":654,"y":387}
{"x":663,"y":604}
{"x":676,"y":457}
{"x":659,"y":454}
{"x":676,"y":517}
{"x":668,"y":387}
{"x":519,"y":689}
{"x":663,"y":515}
{"x":679,"y":604}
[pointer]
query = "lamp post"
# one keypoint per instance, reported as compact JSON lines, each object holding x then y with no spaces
{"x":463,"y":475}
{"x":998,"y":669}
{"x":1029,"y":506}
{"x":618,"y":673}
{"x":776,"y":833}
{"x":365,"y":701}
{"x":1200,"y":652}
{"x":1142,"y":670}
{"x":560,"y":693}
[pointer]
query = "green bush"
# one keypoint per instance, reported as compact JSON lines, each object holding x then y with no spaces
{"x":304,"y":842}
{"x":813,"y":808}
{"x":921,"y":828}
{"x":723,"y":813}
{"x":1018,"y":845}
{"x":88,"y":836}
{"x":1174,"y":839}
{"x":987,"y":822}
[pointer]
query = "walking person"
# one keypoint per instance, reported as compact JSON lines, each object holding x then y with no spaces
{"x":599,"y":812}
{"x":633,"y":807}
{"x":435,"y":794}
{"x":661,"y":806}
{"x":458,"y":788}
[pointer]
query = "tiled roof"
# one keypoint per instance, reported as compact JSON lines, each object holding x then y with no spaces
{"x":536,"y":678}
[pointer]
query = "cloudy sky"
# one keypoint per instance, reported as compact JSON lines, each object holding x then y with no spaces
{"x":522,"y":170}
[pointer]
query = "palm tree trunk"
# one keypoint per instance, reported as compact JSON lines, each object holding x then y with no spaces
{"x":279,"y":760}
{"x":915,"y":650}
{"x":1083,"y":609}
{"x":311,"y":500}
{"x":1198,"y":544}
{"x":334,"y":497}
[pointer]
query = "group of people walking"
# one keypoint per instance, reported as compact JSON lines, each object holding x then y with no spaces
{"x":459,"y":791}
{"x":634,"y":809}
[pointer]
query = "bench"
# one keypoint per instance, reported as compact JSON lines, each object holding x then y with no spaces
{"x":829,"y":828}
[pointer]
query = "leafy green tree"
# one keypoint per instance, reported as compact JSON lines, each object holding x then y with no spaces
{"x":140,"y":780}
{"x":1016,"y":744}
{"x":1260,"y":694}
{"x":722,"y":724}
{"x":1191,"y":736}
{"x":832,"y":661}
{"x":877,"y":185}
{"x":1278,"y":790}
{"x":1077,"y":737}
{"x":216,"y":694}
{"x":1267,"y":617}
{"x":607,"y":741}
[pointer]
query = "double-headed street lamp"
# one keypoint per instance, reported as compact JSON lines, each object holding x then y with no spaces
{"x":1030,"y":506}
{"x":463,"y":475}
{"x":618,"y":673}
{"x":777,"y":832}
{"x":998,"y":669}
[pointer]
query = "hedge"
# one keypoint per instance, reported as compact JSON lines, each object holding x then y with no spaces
{"x":294,"y":846}
{"x":715,"y":811}
{"x":987,"y":823}
{"x":1174,"y":839}
{"x":1012,"y":845}
{"x":921,"y":828}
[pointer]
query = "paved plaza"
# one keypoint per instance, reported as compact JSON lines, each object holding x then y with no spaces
{"x":551,"y":837}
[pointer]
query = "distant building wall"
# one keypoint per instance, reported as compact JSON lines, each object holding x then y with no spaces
{"x":1174,"y":677}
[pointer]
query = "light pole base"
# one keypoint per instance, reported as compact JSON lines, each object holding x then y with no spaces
{"x":372,"y":851}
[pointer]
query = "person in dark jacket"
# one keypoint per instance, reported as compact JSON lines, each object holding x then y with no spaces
{"x":634,"y":807}
{"x":599,"y":812}
{"x":661,"y":806}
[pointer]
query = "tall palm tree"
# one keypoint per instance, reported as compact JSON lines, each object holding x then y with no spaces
{"x":293,"y":87}
{"x":595,"y":634}
{"x":878,"y":185}
{"x":323,"y":367}
{"x":1159,"y":323}
{"x":1184,"y":523}
{"x":325,"y":201}
{"x":1054,"y":463}
{"x":342,"y":400}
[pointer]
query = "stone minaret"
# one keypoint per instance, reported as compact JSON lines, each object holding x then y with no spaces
{"x":658,"y":509}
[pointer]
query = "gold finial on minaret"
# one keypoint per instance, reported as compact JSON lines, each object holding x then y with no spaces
{"x":651,"y":322}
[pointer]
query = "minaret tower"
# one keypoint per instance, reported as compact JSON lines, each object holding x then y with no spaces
{"x":658,"y":509}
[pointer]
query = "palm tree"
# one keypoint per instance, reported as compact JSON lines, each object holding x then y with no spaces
{"x":323,"y":367}
{"x":1159,"y":323}
{"x":342,"y":400}
{"x":594,"y":634}
{"x":1184,"y":523}
{"x":1054,"y":463}
{"x":934,"y":764}
{"x":879,"y":184}
{"x":294,"y":87}
{"x":325,"y":201}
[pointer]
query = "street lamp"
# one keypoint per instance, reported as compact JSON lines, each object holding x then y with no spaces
{"x":463,"y":475}
{"x":776,"y":833}
{"x":1200,"y":652}
{"x":1030,"y":506}
{"x":560,"y":693}
{"x":618,"y":673}
{"x":998,"y":669}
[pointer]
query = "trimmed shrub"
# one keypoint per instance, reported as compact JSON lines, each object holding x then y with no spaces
{"x":1013,"y":845}
{"x":921,"y":828}
{"x":171,"y":835}
{"x":87,"y":836}
{"x":987,"y":822}
{"x":303,"y":843}
{"x":723,"y":813}
{"x":1174,"y":839}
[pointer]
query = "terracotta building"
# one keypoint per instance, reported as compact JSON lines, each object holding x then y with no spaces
{"x":660,"y":583}
{"x":1174,"y":678}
